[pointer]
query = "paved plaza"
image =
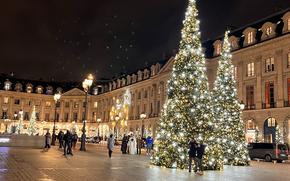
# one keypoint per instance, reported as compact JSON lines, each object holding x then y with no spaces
{"x":17,"y":164}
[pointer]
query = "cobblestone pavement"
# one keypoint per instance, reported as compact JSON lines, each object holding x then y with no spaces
{"x":21,"y":164}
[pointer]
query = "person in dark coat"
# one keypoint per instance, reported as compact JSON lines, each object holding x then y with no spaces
{"x":47,"y":139}
{"x":199,"y":155}
{"x":67,"y":143}
{"x":124,"y":144}
{"x":192,"y":154}
{"x":75,"y":140}
{"x":60,"y":139}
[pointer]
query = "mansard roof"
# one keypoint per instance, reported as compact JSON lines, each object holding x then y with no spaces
{"x":257,"y":25}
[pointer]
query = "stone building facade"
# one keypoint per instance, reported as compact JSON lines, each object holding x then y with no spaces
{"x":261,"y":58}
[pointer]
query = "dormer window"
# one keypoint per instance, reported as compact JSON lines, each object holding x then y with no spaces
{"x":95,"y":90}
{"x":18,"y":87}
{"x":218,"y":49}
{"x":250,"y":37}
{"x":7,"y":85}
{"x":39,"y":90}
{"x":59,"y":90}
{"x":29,"y":88}
{"x":49,"y":90}
{"x":286,"y":21}
{"x":269,"y":31}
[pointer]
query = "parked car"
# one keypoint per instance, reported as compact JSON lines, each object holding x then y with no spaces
{"x":268,"y":151}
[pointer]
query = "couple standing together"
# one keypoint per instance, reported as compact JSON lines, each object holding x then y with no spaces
{"x":196,"y":152}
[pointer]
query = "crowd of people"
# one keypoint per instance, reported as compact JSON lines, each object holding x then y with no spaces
{"x":131,"y":144}
{"x":67,"y":141}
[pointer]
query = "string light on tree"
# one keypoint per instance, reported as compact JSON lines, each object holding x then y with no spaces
{"x":227,"y":111}
{"x":187,"y":112}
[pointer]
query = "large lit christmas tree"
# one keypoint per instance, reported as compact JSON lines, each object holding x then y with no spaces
{"x":32,"y":123}
{"x":227,"y":111}
{"x":187,"y":113}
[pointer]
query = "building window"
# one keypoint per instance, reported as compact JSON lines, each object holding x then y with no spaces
{"x":37,"y":116}
{"x":251,"y":125}
{"x":26,"y":116}
{"x":288,"y":60}
{"x":250,"y":69}
{"x":6,"y":100}
{"x":288,"y":24}
{"x":46,"y":118}
{"x":75,"y":118}
{"x":218,"y":49}
{"x":250,"y":37}
{"x":158,"y":107}
{"x":269,"y":64}
{"x":249,"y":96}
{"x":66,"y":117}
{"x":17,"y":101}
{"x":67,"y":104}
{"x":269,"y":94}
{"x":47,"y":104}
{"x":76,"y":104}
{"x":269,"y":31}
{"x":271,"y":122}
{"x":288,"y":88}
{"x":235,"y":72}
{"x":95,"y":104}
{"x":139,"y":95}
{"x":145,"y":94}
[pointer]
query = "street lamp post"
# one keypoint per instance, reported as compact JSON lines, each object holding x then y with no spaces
{"x":19,"y":128}
{"x":56,"y":98}
{"x":87,"y":83}
{"x":142,"y":116}
{"x":98,"y":121}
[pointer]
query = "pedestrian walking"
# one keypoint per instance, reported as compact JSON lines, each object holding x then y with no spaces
{"x":199,"y":156}
{"x":192,"y":154}
{"x":60,"y":139}
{"x":67,"y":143}
{"x":47,"y":139}
{"x":110,"y":145}
{"x":149,"y":145}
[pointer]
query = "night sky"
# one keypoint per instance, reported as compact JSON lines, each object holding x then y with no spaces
{"x":66,"y":39}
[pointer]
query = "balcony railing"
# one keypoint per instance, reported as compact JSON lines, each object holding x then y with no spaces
{"x":269,"y":105}
{"x":250,"y":107}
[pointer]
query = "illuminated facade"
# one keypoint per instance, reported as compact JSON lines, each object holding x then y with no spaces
{"x":261,"y":56}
